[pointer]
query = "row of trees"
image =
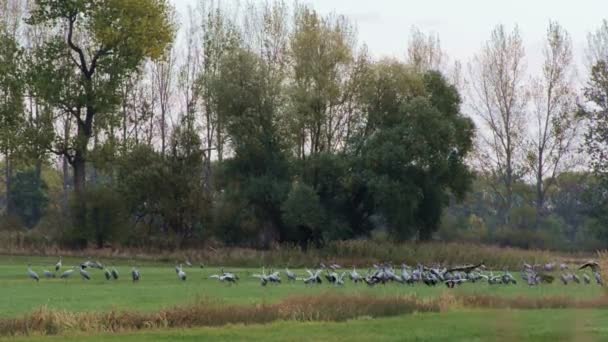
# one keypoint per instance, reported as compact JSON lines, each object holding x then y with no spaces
{"x":271,"y":123}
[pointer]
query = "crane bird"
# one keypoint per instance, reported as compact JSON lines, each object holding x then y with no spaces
{"x":58,"y":264}
{"x":225,"y":277}
{"x":97,"y":265}
{"x":290,"y":275}
{"x":107,"y":273}
{"x":593,"y":265}
{"x":84,"y":274}
{"x":598,"y":278}
{"x":465,"y":268}
{"x":135,"y":275}
{"x":32,"y":274}
{"x":67,"y":273}
{"x":48,"y":274}
{"x":313,"y":278}
{"x":114,"y":273}
{"x":181,"y":275}
{"x":355,"y":276}
{"x":340,"y":279}
{"x":188,"y":263}
{"x":586,"y":279}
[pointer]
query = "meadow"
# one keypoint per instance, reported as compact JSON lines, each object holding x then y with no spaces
{"x":163,"y":308}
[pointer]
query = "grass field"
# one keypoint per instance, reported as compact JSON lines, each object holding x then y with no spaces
{"x":160,"y":288}
{"x":473,"y":325}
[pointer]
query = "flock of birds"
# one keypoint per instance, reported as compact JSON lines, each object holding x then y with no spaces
{"x":110,"y":274}
{"x":377,"y":274}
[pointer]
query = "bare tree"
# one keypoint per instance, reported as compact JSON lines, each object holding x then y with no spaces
{"x":498,"y":98}
{"x":597,"y":45}
{"x":554,"y":124}
{"x":424,"y":51}
{"x":162,"y":74}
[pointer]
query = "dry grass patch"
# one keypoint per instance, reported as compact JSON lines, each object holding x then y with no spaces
{"x":312,"y":308}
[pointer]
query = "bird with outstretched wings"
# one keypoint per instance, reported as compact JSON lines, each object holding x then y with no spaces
{"x":465,"y":268}
{"x":591,"y":264}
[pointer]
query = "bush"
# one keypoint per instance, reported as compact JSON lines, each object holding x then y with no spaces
{"x":98,"y":216}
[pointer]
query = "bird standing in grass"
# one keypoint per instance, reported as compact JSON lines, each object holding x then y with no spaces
{"x":58,"y":264}
{"x":48,"y":274}
{"x":181,"y":274}
{"x":135,"y":274}
{"x":290,"y":275}
{"x":67,"y":273}
{"x":84,"y":274}
{"x":32,"y":274}
{"x":107,"y":273}
{"x":114,"y":273}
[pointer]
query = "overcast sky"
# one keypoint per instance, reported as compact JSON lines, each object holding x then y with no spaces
{"x":463,"y":25}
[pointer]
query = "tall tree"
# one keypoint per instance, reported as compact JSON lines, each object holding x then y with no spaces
{"x":555,"y":122}
{"x":424,"y":51}
{"x":104,"y":42}
{"x":11,"y":105}
{"x":498,"y":98}
{"x":322,"y":53}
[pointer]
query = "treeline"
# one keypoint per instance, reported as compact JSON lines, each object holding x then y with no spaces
{"x":122,"y":124}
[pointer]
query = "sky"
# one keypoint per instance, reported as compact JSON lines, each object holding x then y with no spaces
{"x":462,"y":25}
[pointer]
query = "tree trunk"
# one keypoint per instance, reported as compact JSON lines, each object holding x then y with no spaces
{"x":79,"y":166}
{"x":8,"y":172}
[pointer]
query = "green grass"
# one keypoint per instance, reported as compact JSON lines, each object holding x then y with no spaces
{"x":471,"y":325}
{"x":159,"y":288}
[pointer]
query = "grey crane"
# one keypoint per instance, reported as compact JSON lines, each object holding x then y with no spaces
{"x":598,"y":278}
{"x":313,"y":278}
{"x":135,"y":275}
{"x":114,"y":273}
{"x":48,"y":274}
{"x":32,"y":274}
{"x":181,"y":275}
{"x":58,"y":264}
{"x":290,"y":275}
{"x":107,"y":274}
{"x":67,"y":273}
{"x":225,"y":277}
{"x":340,"y":279}
{"x":355,"y":276}
{"x":586,"y":279}
{"x":550,"y":267}
{"x":84,"y":274}
{"x":593,"y":265}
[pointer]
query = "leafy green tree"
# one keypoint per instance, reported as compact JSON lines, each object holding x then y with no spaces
{"x":12,"y":113}
{"x":413,"y":156}
{"x":101,"y":215}
{"x":29,"y":196}
{"x":81,"y":72}
{"x":304,"y":215}
{"x":259,"y":169}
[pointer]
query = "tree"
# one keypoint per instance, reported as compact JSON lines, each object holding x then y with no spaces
{"x":258,"y":172}
{"x":413,"y":153}
{"x":498,"y":98}
{"x":29,"y":197}
{"x":104,"y":42}
{"x":424,"y":52}
{"x":12,"y":109}
{"x":555,"y":121}
{"x":321,"y":51}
